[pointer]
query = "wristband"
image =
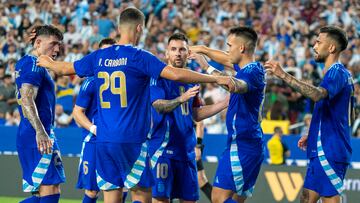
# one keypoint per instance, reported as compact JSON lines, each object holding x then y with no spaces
{"x":93,"y":129}
{"x":210,"y":70}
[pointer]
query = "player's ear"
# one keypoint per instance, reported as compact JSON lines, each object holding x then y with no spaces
{"x":332,"y":48}
{"x":242,"y":48}
{"x":37,"y":42}
{"x":139,"y":28}
{"x":166,"y":55}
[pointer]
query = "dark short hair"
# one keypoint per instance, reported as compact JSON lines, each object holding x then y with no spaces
{"x":337,"y":34}
{"x":247,"y":33}
{"x":277,"y":129}
{"x":131,"y":15}
{"x":106,"y":41}
{"x":178,"y":36}
{"x":47,"y":30}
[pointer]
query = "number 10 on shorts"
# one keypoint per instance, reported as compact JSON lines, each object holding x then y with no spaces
{"x":162,"y":170}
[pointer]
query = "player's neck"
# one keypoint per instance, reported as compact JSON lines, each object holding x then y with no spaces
{"x":35,"y":53}
{"x":246,"y":60}
{"x":126,"y":40}
{"x":330,"y":60}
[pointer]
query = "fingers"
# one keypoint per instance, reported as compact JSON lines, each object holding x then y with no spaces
{"x":45,"y":146}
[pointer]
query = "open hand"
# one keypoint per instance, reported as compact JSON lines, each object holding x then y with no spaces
{"x":190,"y":93}
{"x":200,"y":59}
{"x":45,"y":61}
{"x":44,"y":143}
{"x":226,"y":82}
{"x":302,"y":143}
{"x":274,"y":68}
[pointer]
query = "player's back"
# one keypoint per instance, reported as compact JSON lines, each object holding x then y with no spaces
{"x":244,"y":112}
{"x":28,"y":72}
{"x":122,"y":74}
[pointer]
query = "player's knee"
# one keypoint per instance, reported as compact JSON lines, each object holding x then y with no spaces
{"x":304,"y":197}
{"x":91,"y":193}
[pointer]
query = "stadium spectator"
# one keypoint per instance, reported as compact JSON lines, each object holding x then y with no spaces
{"x":65,"y":93}
{"x":7,"y":95}
{"x":61,"y":118}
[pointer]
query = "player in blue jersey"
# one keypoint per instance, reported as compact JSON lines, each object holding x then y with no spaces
{"x":122,"y":77}
{"x":37,"y":147}
{"x":173,"y":140}
{"x":328,"y":143}
{"x":85,"y":112}
{"x":240,"y":163}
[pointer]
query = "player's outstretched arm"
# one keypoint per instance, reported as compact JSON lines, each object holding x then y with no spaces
{"x":188,"y":76}
{"x":216,"y":55}
{"x":308,"y":90}
{"x":207,"y":111}
{"x":28,"y":94}
{"x":82,"y":119}
{"x":59,"y":67}
{"x":240,"y":85}
{"x":166,"y":106}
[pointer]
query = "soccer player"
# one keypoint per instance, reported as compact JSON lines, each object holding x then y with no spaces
{"x":240,"y":163}
{"x":328,"y":142}
{"x":122,"y":77}
{"x":85,"y":113}
{"x":37,"y":147}
{"x":173,"y":140}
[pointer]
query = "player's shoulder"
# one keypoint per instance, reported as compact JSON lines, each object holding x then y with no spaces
{"x":336,"y":70}
{"x":87,"y":84}
{"x":27,"y":63}
{"x":255,"y":67}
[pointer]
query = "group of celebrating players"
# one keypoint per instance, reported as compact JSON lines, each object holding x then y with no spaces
{"x":138,"y":117}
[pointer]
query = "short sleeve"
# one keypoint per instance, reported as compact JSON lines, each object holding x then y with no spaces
{"x":31,"y":73}
{"x":86,"y":94}
{"x":334,"y":81}
{"x":156,"y":89}
{"x":255,"y":78}
{"x":85,"y":67}
{"x":149,"y":64}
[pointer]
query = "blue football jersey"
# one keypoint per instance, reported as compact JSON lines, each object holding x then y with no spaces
{"x":332,"y":116}
{"x":87,"y":99}
{"x":122,"y":77}
{"x":244,"y":111}
{"x":28,"y":72}
{"x":182,"y":139}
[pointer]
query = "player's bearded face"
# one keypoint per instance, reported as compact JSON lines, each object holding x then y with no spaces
{"x":177,"y":53}
{"x":49,"y":46}
{"x":321,"y":47}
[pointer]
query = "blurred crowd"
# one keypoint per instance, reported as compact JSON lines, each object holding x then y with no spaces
{"x":287,"y":30}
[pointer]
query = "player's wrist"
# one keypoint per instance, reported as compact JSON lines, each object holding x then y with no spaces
{"x":92,"y":129}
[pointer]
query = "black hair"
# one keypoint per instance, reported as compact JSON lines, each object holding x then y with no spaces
{"x":178,"y":36}
{"x":106,"y":41}
{"x":247,"y":33}
{"x":336,"y":34}
{"x":131,"y":15}
{"x":47,"y":30}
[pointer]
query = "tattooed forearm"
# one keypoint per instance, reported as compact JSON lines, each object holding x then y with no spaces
{"x":308,"y":90}
{"x":240,"y":86}
{"x":28,"y":94}
{"x":166,"y":106}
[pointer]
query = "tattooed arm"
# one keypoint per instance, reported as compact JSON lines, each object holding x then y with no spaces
{"x":308,"y":90}
{"x":166,"y":106}
{"x":28,"y":94}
